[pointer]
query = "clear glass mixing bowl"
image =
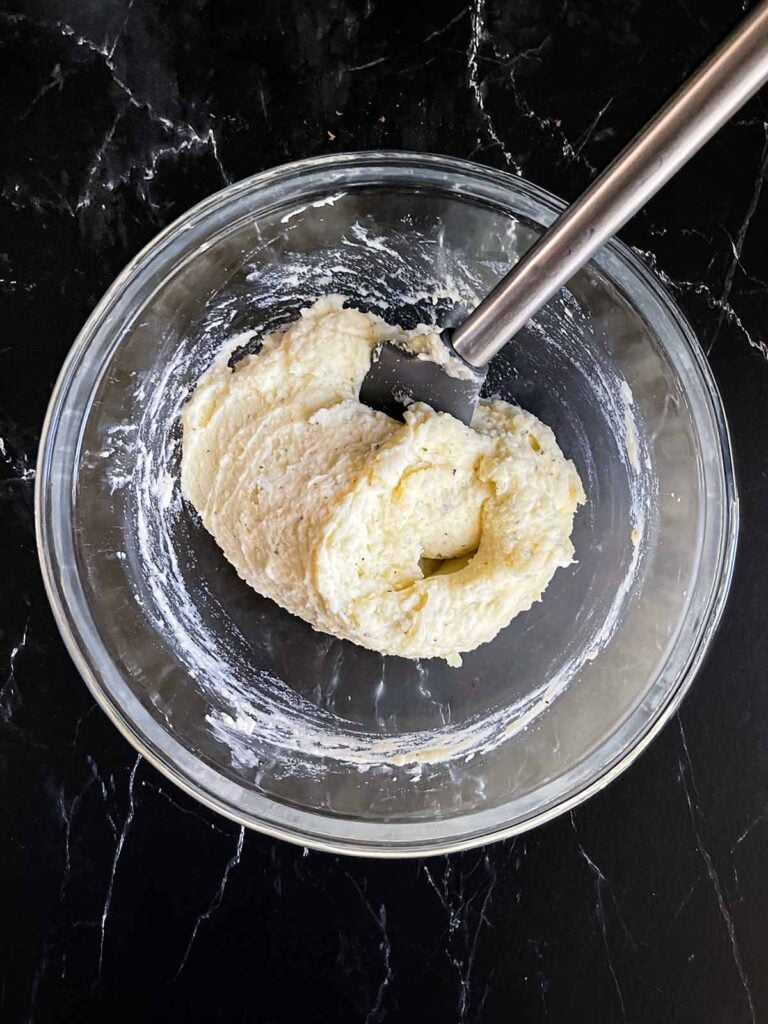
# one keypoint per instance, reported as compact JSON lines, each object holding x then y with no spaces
{"x":311,"y":738}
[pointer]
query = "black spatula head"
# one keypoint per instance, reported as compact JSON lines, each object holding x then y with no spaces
{"x":396,"y":379}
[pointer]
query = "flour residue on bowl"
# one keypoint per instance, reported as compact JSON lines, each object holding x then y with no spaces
{"x":254,"y":713}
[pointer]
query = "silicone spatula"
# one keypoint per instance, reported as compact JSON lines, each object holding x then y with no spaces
{"x":734,"y":72}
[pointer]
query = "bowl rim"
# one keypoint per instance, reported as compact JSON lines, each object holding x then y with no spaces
{"x":389,"y":848}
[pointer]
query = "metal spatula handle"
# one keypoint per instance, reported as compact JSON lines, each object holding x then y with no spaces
{"x":717,"y":90}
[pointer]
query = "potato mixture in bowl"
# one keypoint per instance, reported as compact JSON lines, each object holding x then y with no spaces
{"x":421,"y":538}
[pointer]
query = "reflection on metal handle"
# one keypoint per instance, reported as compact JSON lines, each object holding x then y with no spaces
{"x":714,"y":93}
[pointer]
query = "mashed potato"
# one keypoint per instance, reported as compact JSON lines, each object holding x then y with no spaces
{"x":419,"y":539}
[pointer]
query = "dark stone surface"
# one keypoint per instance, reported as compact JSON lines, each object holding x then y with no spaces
{"x":124,"y":900}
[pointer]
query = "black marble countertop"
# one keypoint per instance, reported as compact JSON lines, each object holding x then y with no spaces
{"x":122,"y":899}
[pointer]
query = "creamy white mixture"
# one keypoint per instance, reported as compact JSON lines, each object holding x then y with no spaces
{"x":419,"y":539}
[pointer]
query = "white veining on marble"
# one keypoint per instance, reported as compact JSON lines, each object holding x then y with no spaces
{"x":600,"y":883}
{"x":375,"y":1013}
{"x":116,"y":859}
{"x":707,"y":292}
{"x":37,"y":977}
{"x":753,"y":823}
{"x":67,"y":811}
{"x":465,"y":889}
{"x":737,"y":246}
{"x":477,"y":31}
{"x":9,"y":696}
{"x":182,"y":136}
{"x":215,"y":903}
{"x":187,"y":811}
{"x":688,"y":782}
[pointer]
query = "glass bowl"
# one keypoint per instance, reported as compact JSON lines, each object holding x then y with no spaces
{"x":310,"y":738}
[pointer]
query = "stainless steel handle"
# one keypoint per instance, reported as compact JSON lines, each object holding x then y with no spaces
{"x":733,"y":73}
